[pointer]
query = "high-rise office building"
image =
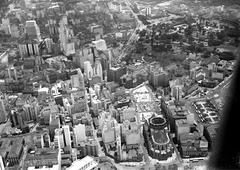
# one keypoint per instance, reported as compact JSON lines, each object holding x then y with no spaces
{"x":28,"y":47}
{"x":59,"y":100}
{"x":115,"y":73}
{"x":14,"y":30}
{"x":12,"y":73}
{"x":158,"y":77}
{"x":67,"y":135}
{"x":177,"y":92}
{"x":54,"y":123}
{"x":182,"y":126}
{"x":4,"y":57}
{"x":82,"y":55}
{"x":59,"y":139}
{"x":6,"y":25}
{"x":80,"y":133}
{"x":88,"y":70}
{"x":148,"y":11}
{"x":33,"y":30}
{"x":49,"y":43}
{"x":52,"y":25}
{"x":1,"y":164}
{"x":65,"y":35}
{"x":2,"y":111}
{"x":98,"y":68}
{"x":28,"y":3}
{"x":100,"y":44}
{"x":29,"y":112}
{"x":77,"y":80}
{"x":17,"y":119}
{"x":38,"y":140}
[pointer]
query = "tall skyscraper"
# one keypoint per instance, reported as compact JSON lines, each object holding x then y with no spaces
{"x":6,"y":25}
{"x":12,"y":73}
{"x":100,"y":44}
{"x":115,"y":73}
{"x":49,"y":42}
{"x":28,"y":47}
{"x":1,"y":164}
{"x":28,"y":3}
{"x":59,"y":139}
{"x":2,"y":111}
{"x":80,"y":134}
{"x":82,"y":55}
{"x":54,"y":123}
{"x":110,"y":58}
{"x":148,"y":11}
{"x":158,"y":77}
{"x":4,"y":57}
{"x":177,"y":92}
{"x":98,"y":68}
{"x":33,"y":30}
{"x":88,"y":70}
{"x":67,"y":135}
{"x":17,"y":119}
{"x":65,"y":35}
{"x":77,"y":80}
{"x":29,"y":112}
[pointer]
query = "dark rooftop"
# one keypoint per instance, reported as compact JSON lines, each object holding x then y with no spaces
{"x":42,"y":157}
{"x":16,"y":148}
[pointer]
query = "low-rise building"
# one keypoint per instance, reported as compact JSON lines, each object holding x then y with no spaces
{"x":193,"y":145}
{"x":87,"y":163}
{"x":11,"y":150}
{"x":210,"y":132}
{"x":89,"y":147}
{"x":15,"y":152}
{"x":43,"y":158}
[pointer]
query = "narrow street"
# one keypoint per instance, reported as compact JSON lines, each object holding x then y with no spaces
{"x":24,"y":155}
{"x":145,"y":154}
{"x":100,"y":151}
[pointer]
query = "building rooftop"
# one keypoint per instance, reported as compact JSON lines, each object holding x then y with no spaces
{"x":4,"y":146}
{"x":178,"y":111}
{"x":185,"y":137}
{"x":25,"y":98}
{"x":42,"y":157}
{"x":16,"y":148}
{"x":142,"y":93}
{"x":26,"y":39}
{"x":78,"y":164}
{"x":182,"y":123}
{"x":212,"y":129}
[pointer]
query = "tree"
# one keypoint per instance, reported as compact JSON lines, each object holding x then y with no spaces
{"x":175,"y":36}
{"x":188,"y":31}
{"x":3,"y":3}
{"x":158,"y":166}
{"x":233,"y":33}
{"x":142,"y":33}
{"x":207,"y":54}
{"x":221,"y":35}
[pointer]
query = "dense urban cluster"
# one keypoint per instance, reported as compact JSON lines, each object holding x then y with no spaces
{"x":107,"y":84}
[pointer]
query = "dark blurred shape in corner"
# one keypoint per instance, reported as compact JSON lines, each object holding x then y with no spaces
{"x":227,"y":152}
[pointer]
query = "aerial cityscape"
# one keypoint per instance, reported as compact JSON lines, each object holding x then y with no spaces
{"x":114,"y":84}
